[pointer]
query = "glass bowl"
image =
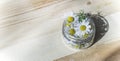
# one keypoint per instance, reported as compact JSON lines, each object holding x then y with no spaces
{"x":79,"y":30}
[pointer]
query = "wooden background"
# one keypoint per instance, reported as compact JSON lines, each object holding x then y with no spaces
{"x":30,"y":30}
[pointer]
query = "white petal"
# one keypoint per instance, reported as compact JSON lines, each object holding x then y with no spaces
{"x":87,"y":23}
{"x":68,"y":14}
{"x":89,"y":26}
{"x":76,"y":18}
{"x":77,"y":25}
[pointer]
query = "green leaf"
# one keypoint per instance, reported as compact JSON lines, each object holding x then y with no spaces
{"x":82,"y":16}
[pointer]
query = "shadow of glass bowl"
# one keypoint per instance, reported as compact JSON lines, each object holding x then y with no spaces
{"x":102,"y":26}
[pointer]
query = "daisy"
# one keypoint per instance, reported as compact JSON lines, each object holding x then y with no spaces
{"x":82,"y":28}
{"x":71,"y":17}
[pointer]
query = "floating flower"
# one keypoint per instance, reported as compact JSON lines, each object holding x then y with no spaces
{"x":82,"y":28}
{"x":71,"y":17}
{"x":72,"y":31}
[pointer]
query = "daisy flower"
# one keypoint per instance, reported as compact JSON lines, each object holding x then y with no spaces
{"x":83,"y":28}
{"x":71,"y":17}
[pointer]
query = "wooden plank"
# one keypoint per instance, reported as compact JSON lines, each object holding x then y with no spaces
{"x":98,"y":52}
{"x":34,"y":24}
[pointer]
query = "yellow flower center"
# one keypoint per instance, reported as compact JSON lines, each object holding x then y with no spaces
{"x":70,"y":19}
{"x":85,"y":35}
{"x":82,"y":27}
{"x":72,"y":31}
{"x":68,"y":24}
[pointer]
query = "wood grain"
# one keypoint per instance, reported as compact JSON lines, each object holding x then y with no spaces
{"x":30,"y":30}
{"x":102,"y":52}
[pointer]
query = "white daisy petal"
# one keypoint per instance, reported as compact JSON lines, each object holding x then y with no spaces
{"x":89,"y":26}
{"x":76,"y":18}
{"x":87,"y":23}
{"x":68,"y":14}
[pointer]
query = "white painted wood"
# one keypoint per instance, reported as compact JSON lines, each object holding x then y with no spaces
{"x":30,"y":30}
